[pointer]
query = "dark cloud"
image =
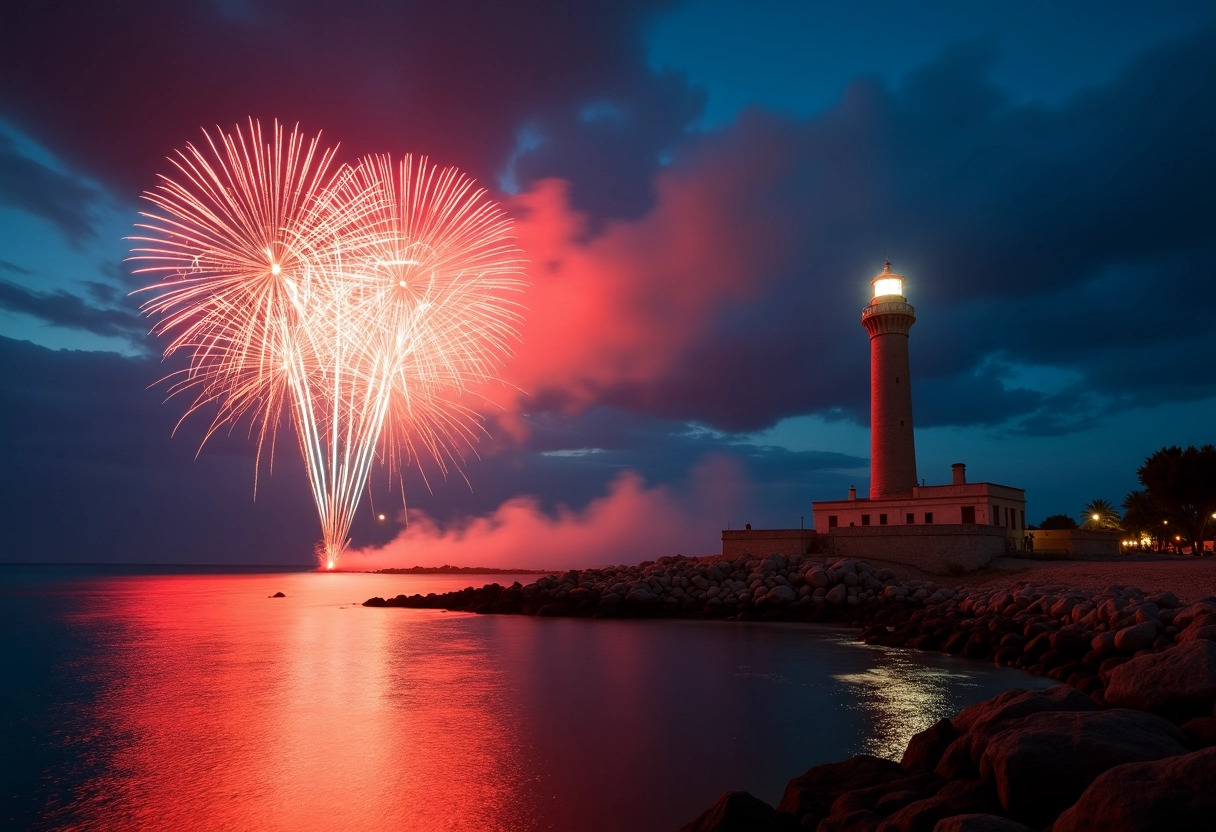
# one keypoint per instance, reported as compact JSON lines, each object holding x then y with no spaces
{"x":1070,"y":237}
{"x":30,"y":186}
{"x":92,"y":471}
{"x":620,"y":135}
{"x":60,"y":308}
{"x":88,"y":436}
{"x":13,"y":268}
{"x":456,"y":80}
{"x":687,"y":286}
{"x":102,"y":293}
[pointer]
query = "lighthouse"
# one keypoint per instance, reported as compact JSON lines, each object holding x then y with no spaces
{"x":936,"y":528}
{"x":887,"y":319}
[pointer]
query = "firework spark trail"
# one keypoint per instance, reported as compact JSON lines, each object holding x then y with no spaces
{"x":365,"y":301}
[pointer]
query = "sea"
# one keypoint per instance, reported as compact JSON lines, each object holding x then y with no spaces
{"x":186,"y":698}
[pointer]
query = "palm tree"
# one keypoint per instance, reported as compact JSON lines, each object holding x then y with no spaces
{"x":1100,"y":514}
{"x":1142,"y":517}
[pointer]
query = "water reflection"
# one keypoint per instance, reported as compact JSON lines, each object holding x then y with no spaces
{"x":196,"y":702}
{"x":226,"y":712}
{"x":900,"y":696}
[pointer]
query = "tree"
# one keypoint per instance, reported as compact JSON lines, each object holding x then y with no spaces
{"x":1142,"y":518}
{"x":1100,"y":514}
{"x":1058,"y":521}
{"x":1182,"y":485}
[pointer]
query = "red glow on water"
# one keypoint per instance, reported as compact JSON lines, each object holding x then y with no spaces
{"x":236,"y":712}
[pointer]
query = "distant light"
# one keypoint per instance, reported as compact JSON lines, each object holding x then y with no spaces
{"x":380,"y":516}
{"x":888,"y":286}
{"x":1095,"y":517}
{"x":329,"y":565}
{"x":275,"y":268}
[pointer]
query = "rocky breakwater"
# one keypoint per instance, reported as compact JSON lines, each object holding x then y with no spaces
{"x":1024,"y":760}
{"x":1128,"y":745}
{"x":1080,"y":638}
{"x":745,"y":588}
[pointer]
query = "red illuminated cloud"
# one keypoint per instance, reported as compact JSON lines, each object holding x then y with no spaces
{"x":621,"y":307}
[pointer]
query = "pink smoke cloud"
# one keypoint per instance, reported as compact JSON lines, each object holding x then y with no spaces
{"x":632,"y":522}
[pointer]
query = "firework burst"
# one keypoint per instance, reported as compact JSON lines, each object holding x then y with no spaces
{"x":366,"y":301}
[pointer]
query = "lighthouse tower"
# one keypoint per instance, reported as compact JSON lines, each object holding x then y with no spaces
{"x":892,"y":450}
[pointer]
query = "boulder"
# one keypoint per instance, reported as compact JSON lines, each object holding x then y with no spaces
{"x":740,"y":812}
{"x":1176,"y":681}
{"x":838,"y":595}
{"x":863,"y":820}
{"x":979,"y":823}
{"x":809,"y":796}
{"x":1165,"y":600}
{"x":818,"y":577}
{"x":639,"y":595}
{"x":1199,"y":732}
{"x":925,"y":749}
{"x":1042,"y":764}
{"x":1136,"y":637}
{"x":887,"y":796}
{"x":977,"y":724}
{"x":781,"y":595}
{"x":955,"y":798}
{"x":1206,"y":632}
{"x":1173,"y":793}
{"x":1103,"y":644}
{"x":1071,"y":639}
{"x":1019,"y":702}
{"x":281,"y":595}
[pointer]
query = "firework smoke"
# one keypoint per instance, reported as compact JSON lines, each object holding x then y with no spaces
{"x":365,"y":300}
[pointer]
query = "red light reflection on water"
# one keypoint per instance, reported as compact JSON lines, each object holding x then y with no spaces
{"x":229,"y":710}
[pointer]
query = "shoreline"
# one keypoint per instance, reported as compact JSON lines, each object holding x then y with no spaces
{"x":1137,"y":699}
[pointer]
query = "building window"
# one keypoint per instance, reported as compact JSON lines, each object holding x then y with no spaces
{"x":882,"y":519}
{"x":928,"y":517}
{"x":1022,"y":513}
{"x":968,"y":514}
{"x":833,"y":522}
{"x":865,"y":519}
{"x":996,"y":515}
{"x":910,"y":519}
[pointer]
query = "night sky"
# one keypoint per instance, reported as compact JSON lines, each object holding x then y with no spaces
{"x":704,"y":191}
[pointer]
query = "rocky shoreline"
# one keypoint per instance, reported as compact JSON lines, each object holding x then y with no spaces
{"x":1128,"y":742}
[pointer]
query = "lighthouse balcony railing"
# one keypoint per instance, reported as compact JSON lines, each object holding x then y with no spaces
{"x":887,"y":307}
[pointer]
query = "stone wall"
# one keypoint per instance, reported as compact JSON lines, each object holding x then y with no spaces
{"x":764,"y":542}
{"x":937,"y":549}
{"x":1078,"y":543}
